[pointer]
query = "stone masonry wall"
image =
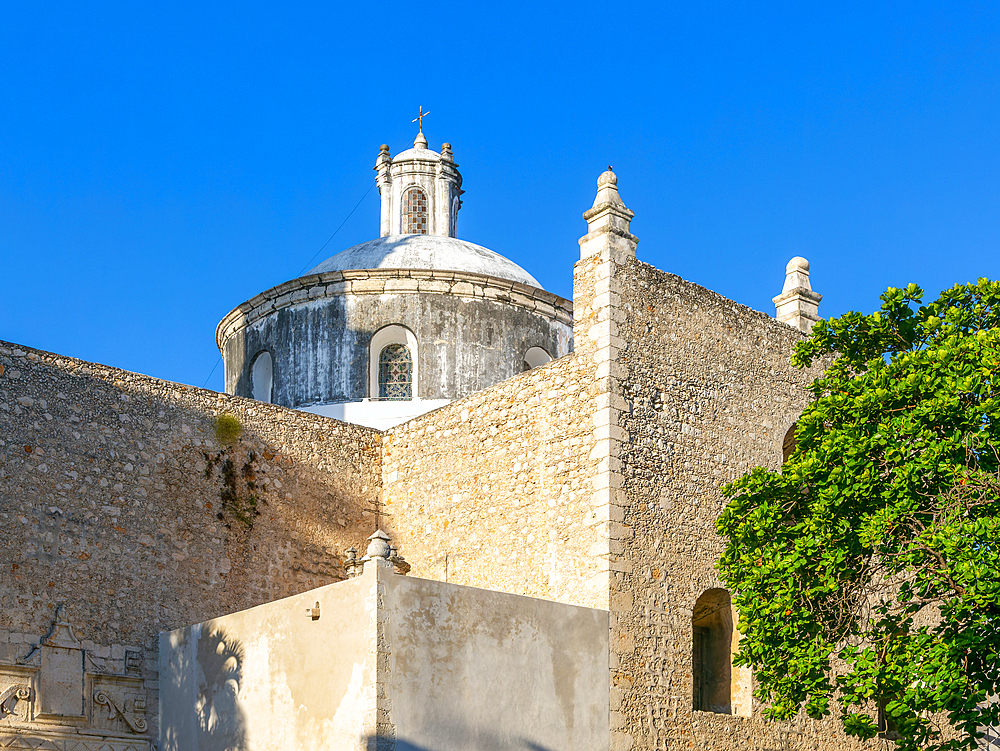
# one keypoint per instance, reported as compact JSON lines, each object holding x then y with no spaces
{"x":116,"y":499}
{"x":493,"y":490}
{"x":705,"y":392}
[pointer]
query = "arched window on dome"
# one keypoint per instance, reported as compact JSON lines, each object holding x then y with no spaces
{"x":393,"y":364}
{"x":395,"y":373}
{"x":262,"y":377}
{"x":535,"y":357}
{"x":414,"y":212}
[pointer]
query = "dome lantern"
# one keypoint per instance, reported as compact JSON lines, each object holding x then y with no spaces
{"x":421,"y":190}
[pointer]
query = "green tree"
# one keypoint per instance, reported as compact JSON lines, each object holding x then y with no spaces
{"x":867,"y":570}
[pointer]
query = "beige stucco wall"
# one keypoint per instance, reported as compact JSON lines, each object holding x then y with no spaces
{"x":272,"y":678}
{"x":392,"y":661}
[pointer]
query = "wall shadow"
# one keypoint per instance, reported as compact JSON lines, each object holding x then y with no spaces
{"x":382,"y":743}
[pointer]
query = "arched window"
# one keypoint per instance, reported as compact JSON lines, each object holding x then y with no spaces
{"x":393,"y":364}
{"x":414,"y":212}
{"x":534,"y":357}
{"x":395,"y":373}
{"x":788,"y":444}
{"x":711,"y":652}
{"x":262,"y":377}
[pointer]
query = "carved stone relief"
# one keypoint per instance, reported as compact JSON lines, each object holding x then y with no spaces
{"x":60,"y":696}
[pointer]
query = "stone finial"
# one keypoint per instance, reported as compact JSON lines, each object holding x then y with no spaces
{"x":608,"y":221}
{"x":382,"y":166}
{"x":378,"y":546}
{"x":378,"y":550}
{"x":420,"y":142}
{"x":797,"y":305}
{"x":399,"y":565}
{"x":351,"y":563}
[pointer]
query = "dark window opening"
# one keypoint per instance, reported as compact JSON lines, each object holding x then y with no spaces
{"x":788,"y":445}
{"x":711,"y":652}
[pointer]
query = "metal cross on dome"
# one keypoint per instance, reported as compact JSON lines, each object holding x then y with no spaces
{"x":419,"y":119}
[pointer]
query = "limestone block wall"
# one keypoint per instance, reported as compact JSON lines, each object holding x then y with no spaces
{"x":111,"y":490}
{"x":704,"y":391}
{"x":495,"y":490}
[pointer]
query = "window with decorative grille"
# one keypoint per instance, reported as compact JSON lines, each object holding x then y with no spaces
{"x":395,"y":373}
{"x":415,"y":212}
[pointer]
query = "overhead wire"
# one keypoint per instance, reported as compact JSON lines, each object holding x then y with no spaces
{"x":309,"y":262}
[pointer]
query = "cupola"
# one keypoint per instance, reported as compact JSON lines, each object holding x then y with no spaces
{"x":420,"y":189}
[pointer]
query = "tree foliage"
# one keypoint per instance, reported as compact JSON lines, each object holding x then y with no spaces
{"x":867,"y":570}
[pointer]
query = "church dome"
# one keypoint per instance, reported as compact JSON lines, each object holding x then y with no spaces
{"x":432,"y":252}
{"x":399,"y":325}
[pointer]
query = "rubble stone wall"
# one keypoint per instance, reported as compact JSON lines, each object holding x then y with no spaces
{"x":493,"y":490}
{"x":117,"y":500}
{"x":705,"y":392}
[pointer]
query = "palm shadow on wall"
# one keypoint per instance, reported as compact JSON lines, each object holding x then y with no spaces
{"x":220,"y":720}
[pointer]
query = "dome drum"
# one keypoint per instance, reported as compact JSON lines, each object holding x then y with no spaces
{"x":468,"y":331}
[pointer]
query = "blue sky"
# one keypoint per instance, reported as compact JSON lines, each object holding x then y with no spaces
{"x":162,"y":162}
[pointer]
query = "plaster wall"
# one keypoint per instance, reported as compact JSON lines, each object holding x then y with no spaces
{"x":272,"y":678}
{"x":391,"y":662}
{"x":471,"y":668}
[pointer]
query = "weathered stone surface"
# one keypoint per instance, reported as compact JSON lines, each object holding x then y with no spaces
{"x":709,"y":393}
{"x":493,"y":490}
{"x":113,"y":506}
{"x":471,"y":333}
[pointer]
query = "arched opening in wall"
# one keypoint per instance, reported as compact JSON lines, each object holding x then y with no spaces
{"x":534,"y":357}
{"x":788,"y":444}
{"x":262,"y":377}
{"x":712,"y":653}
{"x":393,"y":364}
{"x":414,"y":212}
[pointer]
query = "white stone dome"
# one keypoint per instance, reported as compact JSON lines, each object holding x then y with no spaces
{"x":426,"y":252}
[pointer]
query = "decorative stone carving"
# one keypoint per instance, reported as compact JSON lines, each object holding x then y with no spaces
{"x":11,"y":695}
{"x":128,"y":710}
{"x":62,"y":696}
{"x":60,"y":689}
{"x":399,"y":565}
